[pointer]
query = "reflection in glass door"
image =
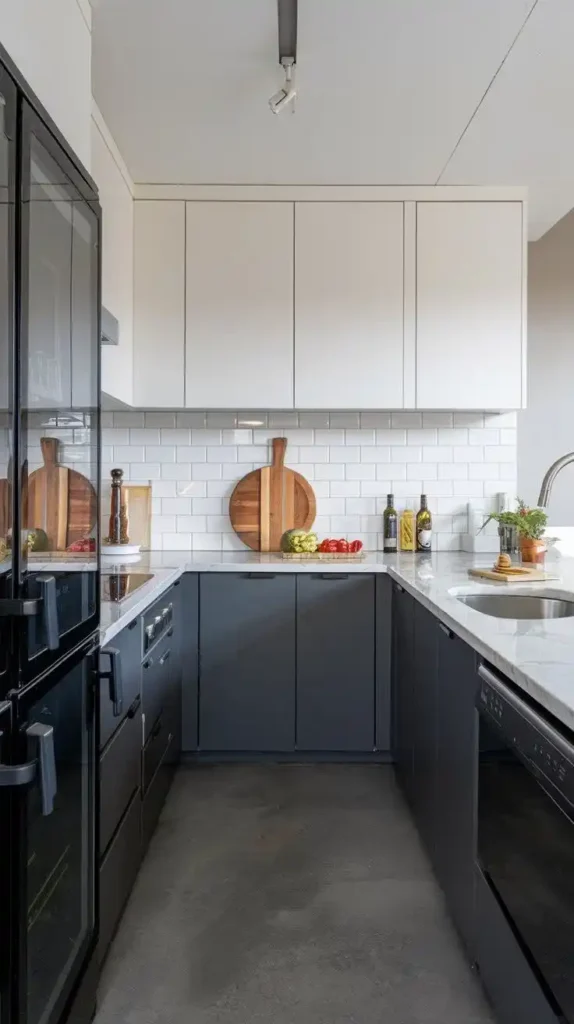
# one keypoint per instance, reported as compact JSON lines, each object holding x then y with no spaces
{"x":60,"y":848}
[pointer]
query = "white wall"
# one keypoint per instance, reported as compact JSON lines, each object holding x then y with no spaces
{"x":546,"y":427}
{"x":115,"y":187}
{"x":50,"y":42}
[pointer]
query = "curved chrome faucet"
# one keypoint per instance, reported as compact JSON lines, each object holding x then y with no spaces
{"x":550,"y":476}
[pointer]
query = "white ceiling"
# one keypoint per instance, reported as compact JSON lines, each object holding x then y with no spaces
{"x":390,"y":92}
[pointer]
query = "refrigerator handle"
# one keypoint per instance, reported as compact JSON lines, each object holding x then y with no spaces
{"x":44,"y":736}
{"x":115,"y":679}
{"x":49,"y":611}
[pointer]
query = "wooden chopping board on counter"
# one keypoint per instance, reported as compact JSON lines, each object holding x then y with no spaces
{"x":60,"y":501}
{"x":269,"y":501}
{"x":524,"y":576}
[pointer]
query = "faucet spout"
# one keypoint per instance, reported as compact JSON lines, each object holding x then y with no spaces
{"x":550,"y":476}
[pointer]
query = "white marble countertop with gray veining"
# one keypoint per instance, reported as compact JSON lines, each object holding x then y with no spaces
{"x":536,"y":655}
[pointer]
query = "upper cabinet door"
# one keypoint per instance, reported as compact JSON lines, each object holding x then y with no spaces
{"x":239,"y":305}
{"x":349,"y":305}
{"x":469,"y":305}
{"x":159,"y":304}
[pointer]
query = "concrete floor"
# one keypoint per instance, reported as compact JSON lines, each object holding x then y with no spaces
{"x":287,"y":895}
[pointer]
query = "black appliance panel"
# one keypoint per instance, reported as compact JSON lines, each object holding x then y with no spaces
{"x":526,"y":833}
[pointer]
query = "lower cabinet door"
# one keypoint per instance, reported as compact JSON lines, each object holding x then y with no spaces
{"x":247,"y":662}
{"x":120,"y":770}
{"x":154,"y":798}
{"x":336,"y":662}
{"x":118,"y":871}
{"x":426,"y":795}
{"x":456,"y":786}
{"x":188,"y":628}
{"x":403,"y":688}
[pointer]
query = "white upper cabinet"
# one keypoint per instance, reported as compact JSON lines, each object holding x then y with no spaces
{"x":159,"y":304}
{"x":239,"y":305}
{"x":349,"y":305}
{"x":470,"y":288}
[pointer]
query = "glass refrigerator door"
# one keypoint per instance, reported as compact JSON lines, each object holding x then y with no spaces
{"x":59,"y":354}
{"x":57,"y":828}
{"x":7,"y":220}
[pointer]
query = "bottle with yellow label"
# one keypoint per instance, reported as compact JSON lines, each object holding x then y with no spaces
{"x":407,"y":532}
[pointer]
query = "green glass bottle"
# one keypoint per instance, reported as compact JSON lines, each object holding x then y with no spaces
{"x":424,"y":526}
{"x":390,"y":519}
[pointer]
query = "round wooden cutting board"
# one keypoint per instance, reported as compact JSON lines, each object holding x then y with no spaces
{"x":60,"y":501}
{"x":269,"y":501}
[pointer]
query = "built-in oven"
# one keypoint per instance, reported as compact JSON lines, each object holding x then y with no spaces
{"x":525,"y":835}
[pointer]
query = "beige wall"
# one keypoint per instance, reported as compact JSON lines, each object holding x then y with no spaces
{"x":546,"y":427}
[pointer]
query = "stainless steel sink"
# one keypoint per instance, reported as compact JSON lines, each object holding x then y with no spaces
{"x":519,"y":606}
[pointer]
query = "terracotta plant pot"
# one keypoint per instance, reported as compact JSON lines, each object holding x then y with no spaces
{"x":532,"y":550}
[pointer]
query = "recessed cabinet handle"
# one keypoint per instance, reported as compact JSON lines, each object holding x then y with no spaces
{"x":333,"y":576}
{"x":261,"y":575}
{"x":399,"y":589}
{"x":134,"y":708}
{"x":447,"y":632}
{"x":165,"y":657}
{"x":169,"y":632}
{"x":115,"y":679}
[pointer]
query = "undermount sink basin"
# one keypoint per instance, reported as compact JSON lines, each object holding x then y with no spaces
{"x":519,"y":606}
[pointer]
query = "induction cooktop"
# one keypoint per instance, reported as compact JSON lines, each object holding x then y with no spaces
{"x":116,"y":586}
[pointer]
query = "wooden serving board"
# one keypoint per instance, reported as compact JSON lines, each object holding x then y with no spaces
{"x":60,"y":501}
{"x":528,"y":576}
{"x":269,"y":501}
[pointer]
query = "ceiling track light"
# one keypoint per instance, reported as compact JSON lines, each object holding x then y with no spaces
{"x":286,"y":95}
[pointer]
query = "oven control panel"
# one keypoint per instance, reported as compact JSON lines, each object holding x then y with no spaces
{"x":157,"y":622}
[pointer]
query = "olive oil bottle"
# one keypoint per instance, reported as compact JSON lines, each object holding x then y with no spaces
{"x":424,"y":526}
{"x":390,"y":526}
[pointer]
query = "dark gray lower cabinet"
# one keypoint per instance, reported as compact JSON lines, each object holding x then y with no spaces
{"x":403,"y":693}
{"x":383,"y":660}
{"x":436,"y":746}
{"x":188,"y":628}
{"x":335,"y":662}
{"x":247,"y":662}
{"x":118,"y":872}
{"x":457,"y":759}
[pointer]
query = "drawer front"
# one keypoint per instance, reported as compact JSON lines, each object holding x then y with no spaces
{"x":120,"y":767}
{"x":155,"y":748}
{"x":128,"y":643}
{"x":156,"y":681}
{"x":158,"y":620}
{"x":155,"y":797}
{"x":118,"y":872}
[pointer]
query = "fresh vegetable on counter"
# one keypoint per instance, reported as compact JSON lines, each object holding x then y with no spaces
{"x":340,"y":547}
{"x":299,"y":542}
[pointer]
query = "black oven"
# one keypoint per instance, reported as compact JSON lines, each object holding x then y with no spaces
{"x":526,"y":833}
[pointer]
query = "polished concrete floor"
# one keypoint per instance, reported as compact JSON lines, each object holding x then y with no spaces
{"x":287,"y":895}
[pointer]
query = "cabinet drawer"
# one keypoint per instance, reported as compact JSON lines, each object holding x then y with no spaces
{"x":159,"y":739}
{"x":120,"y":766}
{"x":118,"y":871}
{"x":157,"y":669}
{"x":155,"y":797}
{"x":128,"y":643}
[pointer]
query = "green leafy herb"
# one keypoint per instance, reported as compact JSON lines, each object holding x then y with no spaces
{"x":529,"y":522}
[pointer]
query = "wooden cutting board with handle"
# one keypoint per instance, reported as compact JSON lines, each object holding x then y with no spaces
{"x":522,"y":576}
{"x":269,"y":501}
{"x":61,"y":501}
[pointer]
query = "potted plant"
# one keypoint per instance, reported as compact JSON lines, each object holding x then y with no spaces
{"x":529,"y":524}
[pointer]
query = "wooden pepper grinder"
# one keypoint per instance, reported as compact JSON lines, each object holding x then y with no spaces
{"x":118,"y":516}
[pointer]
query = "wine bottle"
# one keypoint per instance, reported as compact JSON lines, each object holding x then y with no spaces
{"x":424,"y":526}
{"x":390,"y":526}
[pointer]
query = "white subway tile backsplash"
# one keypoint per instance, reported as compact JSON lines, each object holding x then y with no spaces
{"x":376,"y":454}
{"x":222,"y":419}
{"x":190,"y":419}
{"x":148,"y":435}
{"x":159,"y":419}
{"x":344,"y":419}
{"x":362,"y":471}
{"x":200,"y":471}
{"x":340,"y":453}
{"x":237,"y":437}
{"x":194,"y":460}
{"x":329,"y":471}
{"x":407,"y":454}
{"x":360,"y":437}
{"x":376,"y":419}
{"x":437,"y":419}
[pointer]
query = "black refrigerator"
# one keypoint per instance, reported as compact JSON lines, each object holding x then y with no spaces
{"x":49,"y":563}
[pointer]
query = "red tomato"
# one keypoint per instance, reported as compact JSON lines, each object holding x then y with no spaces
{"x":342,"y":546}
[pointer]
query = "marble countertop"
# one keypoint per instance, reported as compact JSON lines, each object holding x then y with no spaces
{"x":537,"y":655}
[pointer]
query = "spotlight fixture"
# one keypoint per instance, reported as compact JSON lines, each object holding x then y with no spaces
{"x":286,"y":95}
